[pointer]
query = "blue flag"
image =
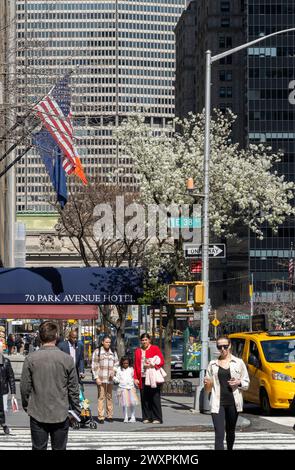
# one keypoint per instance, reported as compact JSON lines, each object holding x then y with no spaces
{"x":52,"y":159}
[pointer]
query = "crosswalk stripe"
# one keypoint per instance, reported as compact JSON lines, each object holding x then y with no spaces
{"x":109,"y":440}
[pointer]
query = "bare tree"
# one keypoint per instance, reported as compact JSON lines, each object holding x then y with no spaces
{"x":76,"y":221}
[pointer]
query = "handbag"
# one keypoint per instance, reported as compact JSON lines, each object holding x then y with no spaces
{"x":160,"y":375}
{"x":14,"y":405}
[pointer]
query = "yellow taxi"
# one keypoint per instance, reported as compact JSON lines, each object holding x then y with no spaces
{"x":270,"y":359}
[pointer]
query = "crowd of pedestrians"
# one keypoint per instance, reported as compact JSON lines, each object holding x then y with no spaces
{"x":51,"y":385}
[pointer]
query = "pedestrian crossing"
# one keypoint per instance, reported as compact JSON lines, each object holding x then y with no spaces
{"x":87,"y":439}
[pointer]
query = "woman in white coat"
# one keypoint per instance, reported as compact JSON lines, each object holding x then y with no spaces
{"x":225,"y":379}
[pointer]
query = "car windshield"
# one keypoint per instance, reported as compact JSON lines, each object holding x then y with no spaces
{"x":133,"y":341}
{"x":281,"y":350}
{"x":177,"y":352}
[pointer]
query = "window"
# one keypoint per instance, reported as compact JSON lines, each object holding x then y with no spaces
{"x":225,"y":75}
{"x":225,"y":42}
{"x":225,"y":7}
{"x":225,"y":22}
{"x":226,"y":60}
{"x":225,"y":92}
{"x":253,"y":350}
{"x":237,"y":346}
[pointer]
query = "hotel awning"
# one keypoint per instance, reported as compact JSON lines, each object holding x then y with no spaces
{"x":54,"y":312}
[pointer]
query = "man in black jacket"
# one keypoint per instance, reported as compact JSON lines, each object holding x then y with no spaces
{"x":75,"y":349}
{"x":6,"y":381}
{"x":49,"y":388}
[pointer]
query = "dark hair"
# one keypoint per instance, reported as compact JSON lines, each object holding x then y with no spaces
{"x":223,"y":337}
{"x":145,"y":335}
{"x":125,"y":358}
{"x":48,"y":332}
{"x":106,"y":336}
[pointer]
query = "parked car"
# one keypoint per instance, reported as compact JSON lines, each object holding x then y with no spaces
{"x":177,"y":360}
{"x":131,"y":343}
{"x":131,"y":331}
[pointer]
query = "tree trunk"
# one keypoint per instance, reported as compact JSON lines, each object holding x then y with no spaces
{"x":168,"y":340}
{"x":122,"y":310}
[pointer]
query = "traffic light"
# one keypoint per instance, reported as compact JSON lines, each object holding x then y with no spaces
{"x":199,"y":293}
{"x":177,"y":294}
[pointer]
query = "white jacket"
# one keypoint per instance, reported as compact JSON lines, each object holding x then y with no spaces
{"x":238,"y":371}
{"x":125,"y":378}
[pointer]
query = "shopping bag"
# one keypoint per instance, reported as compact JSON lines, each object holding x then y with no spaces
{"x":14,"y":405}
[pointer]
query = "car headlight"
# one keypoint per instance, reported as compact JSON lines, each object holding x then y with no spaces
{"x":278,"y":376}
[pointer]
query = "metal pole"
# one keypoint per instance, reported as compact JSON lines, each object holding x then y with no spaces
{"x":251,"y":302}
{"x":201,"y":400}
{"x":11,"y":190}
{"x":161,"y":325}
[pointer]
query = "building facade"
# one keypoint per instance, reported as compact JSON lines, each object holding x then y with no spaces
{"x":258,"y":85}
{"x":7,"y":119}
{"x":122,"y":55}
{"x":216,"y":25}
{"x":185,"y":75}
{"x":271,"y":108}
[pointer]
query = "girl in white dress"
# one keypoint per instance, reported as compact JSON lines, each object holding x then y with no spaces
{"x":126,"y":389}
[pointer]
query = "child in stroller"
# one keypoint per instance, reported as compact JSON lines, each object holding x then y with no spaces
{"x":85,"y":416}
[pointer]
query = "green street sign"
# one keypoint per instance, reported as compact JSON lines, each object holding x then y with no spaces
{"x":185,"y":222}
{"x":242,"y":317}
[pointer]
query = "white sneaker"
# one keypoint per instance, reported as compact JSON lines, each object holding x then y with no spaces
{"x":126,"y":420}
{"x":132,"y":420}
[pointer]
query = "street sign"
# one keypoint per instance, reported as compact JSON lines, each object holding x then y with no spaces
{"x":216,"y":250}
{"x":185,"y":222}
{"x":215,"y":322}
{"x":242,"y":317}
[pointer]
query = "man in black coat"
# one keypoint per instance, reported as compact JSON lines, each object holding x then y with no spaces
{"x":6,"y":382}
{"x":75,"y":349}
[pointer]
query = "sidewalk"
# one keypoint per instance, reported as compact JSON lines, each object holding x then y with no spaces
{"x":177,"y":415}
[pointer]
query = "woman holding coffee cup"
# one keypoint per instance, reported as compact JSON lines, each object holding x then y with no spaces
{"x":225,"y":379}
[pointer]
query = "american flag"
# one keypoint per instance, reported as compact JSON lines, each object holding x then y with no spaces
{"x":54,"y":110}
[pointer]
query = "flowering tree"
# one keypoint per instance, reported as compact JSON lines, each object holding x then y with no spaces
{"x":245,"y":190}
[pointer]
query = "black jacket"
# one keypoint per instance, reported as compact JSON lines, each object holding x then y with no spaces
{"x":65,"y":347}
{"x":6,"y":376}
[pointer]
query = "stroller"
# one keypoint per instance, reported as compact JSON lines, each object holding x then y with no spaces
{"x":86,"y":416}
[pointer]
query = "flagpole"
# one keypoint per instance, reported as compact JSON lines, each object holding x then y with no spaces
{"x":13,"y":162}
{"x":17,"y":143}
{"x":21,"y":122}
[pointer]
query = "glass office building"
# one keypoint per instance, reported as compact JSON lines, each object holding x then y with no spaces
{"x":122,"y":54}
{"x":271,"y":118}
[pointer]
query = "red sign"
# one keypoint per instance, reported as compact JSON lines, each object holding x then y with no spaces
{"x":196,"y":266}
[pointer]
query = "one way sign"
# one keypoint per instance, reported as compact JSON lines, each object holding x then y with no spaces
{"x":195,"y":251}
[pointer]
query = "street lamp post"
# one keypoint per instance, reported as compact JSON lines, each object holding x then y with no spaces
{"x":202,"y":405}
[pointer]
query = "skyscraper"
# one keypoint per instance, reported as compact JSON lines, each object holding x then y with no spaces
{"x":258,"y":85}
{"x":122,"y":57}
{"x":271,"y":113}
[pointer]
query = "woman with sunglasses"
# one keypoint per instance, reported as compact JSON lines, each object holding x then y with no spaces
{"x":226,"y":377}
